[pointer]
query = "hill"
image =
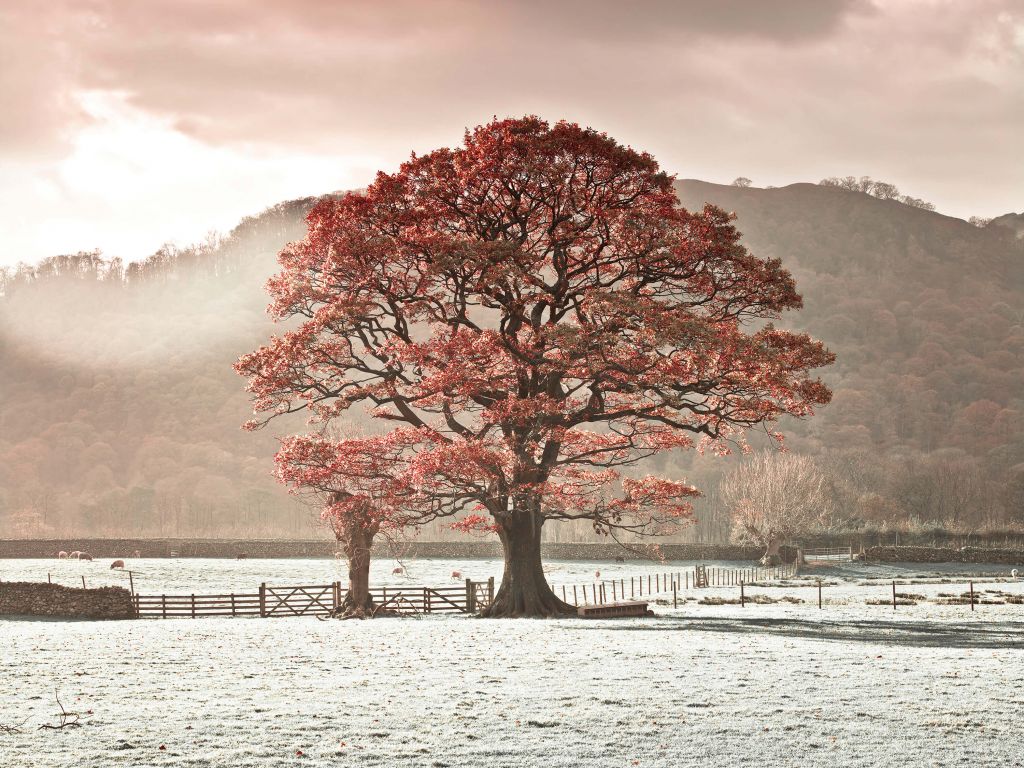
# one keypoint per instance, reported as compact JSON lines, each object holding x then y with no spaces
{"x":120,"y":411}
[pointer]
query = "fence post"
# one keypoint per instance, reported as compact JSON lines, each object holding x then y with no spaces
{"x":564,"y":598}
{"x":972,"y":595}
{"x":575,"y":601}
{"x":819,"y":594}
{"x":131,"y":582}
{"x":426,"y":600}
{"x":83,"y":582}
{"x":894,"y":594}
{"x":675,"y":600}
{"x":490,"y":590}
{"x":470,"y":607}
{"x":193,"y":605}
{"x":743,"y":599}
{"x":263,"y":600}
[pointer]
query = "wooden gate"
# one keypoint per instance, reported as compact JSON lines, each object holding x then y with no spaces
{"x":298,"y":601}
{"x":828,"y":554}
{"x":700,"y":576}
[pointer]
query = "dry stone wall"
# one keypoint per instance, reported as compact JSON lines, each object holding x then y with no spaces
{"x":108,"y":549}
{"x":22,"y":598}
{"x":103,"y":549}
{"x":936,"y":555}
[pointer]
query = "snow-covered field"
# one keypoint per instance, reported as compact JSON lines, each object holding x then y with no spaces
{"x":216,"y":576}
{"x":783,"y":684}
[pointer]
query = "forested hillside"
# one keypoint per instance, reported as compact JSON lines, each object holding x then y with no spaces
{"x":119,"y":411}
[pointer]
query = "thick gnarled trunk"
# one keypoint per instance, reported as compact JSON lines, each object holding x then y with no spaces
{"x":357,"y":546}
{"x":771,"y":554}
{"x":524,"y":591}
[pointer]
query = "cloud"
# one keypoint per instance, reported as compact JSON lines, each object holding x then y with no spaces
{"x":925,"y":93}
{"x":310,"y":71}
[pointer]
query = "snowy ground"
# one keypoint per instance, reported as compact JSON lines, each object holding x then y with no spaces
{"x":783,"y":684}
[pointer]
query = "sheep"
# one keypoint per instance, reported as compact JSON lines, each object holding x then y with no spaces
{"x":620,"y":559}
{"x":1013,"y":574}
{"x":117,"y":564}
{"x":75,"y":555}
{"x":62,"y":555}
{"x":456,"y":575}
{"x":398,"y":571}
{"x":85,"y":556}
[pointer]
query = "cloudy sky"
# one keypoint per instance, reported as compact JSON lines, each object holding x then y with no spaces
{"x":129,"y":123}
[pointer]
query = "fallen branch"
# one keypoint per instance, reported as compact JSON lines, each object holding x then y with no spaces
{"x":7,"y":728}
{"x":67,"y":719}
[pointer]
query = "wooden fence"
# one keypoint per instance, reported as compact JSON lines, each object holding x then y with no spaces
{"x":323,"y":599}
{"x":828,"y":554}
{"x":671,"y":582}
{"x":316,"y":600}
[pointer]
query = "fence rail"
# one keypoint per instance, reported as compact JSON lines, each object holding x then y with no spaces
{"x":828,"y":554}
{"x":605,"y":591}
{"x":316,"y":600}
{"x":324,"y":599}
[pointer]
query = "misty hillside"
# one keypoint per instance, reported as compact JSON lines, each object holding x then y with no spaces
{"x":119,"y":411}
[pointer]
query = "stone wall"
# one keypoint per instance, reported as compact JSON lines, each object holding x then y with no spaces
{"x":941,"y":555}
{"x":276,"y":548}
{"x":23,"y":598}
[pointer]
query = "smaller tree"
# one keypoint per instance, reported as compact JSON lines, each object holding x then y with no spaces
{"x":774,"y":497}
{"x":370,"y":489}
{"x":741,"y":181}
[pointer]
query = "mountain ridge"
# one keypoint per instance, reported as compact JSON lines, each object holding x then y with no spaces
{"x":120,"y":404}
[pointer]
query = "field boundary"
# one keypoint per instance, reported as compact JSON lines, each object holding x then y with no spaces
{"x":315,"y":600}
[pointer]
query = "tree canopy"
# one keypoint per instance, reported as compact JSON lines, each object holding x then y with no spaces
{"x":535,"y":311}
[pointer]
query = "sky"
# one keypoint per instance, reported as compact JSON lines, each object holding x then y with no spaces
{"x":127,"y":124}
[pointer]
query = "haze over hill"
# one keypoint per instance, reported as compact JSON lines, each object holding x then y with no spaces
{"x":120,"y":412}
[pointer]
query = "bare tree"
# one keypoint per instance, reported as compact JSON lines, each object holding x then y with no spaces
{"x":741,"y":181}
{"x":773,"y":497}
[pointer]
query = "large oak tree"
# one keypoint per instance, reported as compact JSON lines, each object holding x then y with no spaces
{"x":534,"y":311}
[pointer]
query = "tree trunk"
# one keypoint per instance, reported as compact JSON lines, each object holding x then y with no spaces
{"x":358,"y":601}
{"x":524,"y":590}
{"x":771,"y":555}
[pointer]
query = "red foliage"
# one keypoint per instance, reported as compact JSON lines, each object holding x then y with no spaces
{"x":537,"y":312}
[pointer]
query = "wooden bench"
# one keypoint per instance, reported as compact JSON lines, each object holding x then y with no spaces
{"x":615,"y":610}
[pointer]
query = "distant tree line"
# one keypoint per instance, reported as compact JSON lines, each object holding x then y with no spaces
{"x":883,"y":190}
{"x":119,"y":411}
